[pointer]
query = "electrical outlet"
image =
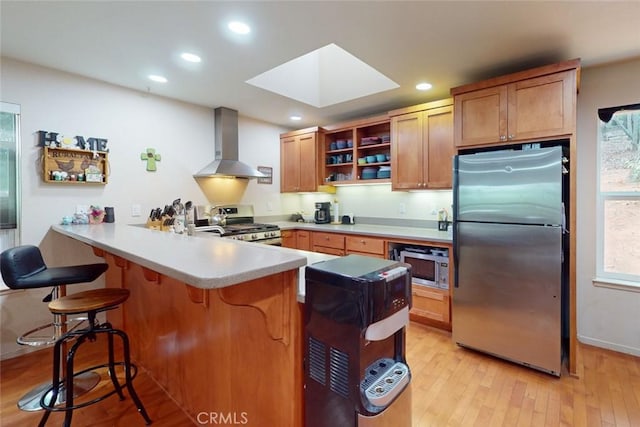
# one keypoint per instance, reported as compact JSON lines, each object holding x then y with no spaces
{"x":402,"y":208}
{"x":136,"y":210}
{"x":82,"y":209}
{"x":269,"y":206}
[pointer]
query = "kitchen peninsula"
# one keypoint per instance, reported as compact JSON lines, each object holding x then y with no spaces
{"x":214,"y":321}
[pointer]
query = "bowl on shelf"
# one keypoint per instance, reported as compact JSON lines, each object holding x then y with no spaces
{"x":341,"y":144}
{"x":384,"y":173}
{"x":381,"y":157}
{"x":371,"y":159}
{"x":349,"y":143}
{"x":387,"y":156}
{"x":369,"y":173}
{"x":362,"y":161}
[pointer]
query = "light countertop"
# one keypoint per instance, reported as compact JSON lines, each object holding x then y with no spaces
{"x":200,"y":261}
{"x":382,"y":231}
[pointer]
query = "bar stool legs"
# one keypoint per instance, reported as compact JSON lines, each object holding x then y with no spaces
{"x":82,"y":384}
{"x":49,"y":402}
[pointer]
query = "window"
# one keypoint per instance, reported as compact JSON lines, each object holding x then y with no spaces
{"x":619,"y":194}
{"x":9,"y":199}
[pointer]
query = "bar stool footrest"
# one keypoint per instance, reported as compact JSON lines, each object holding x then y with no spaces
{"x":54,"y":408}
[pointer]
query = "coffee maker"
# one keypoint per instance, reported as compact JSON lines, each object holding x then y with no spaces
{"x":323,"y":213}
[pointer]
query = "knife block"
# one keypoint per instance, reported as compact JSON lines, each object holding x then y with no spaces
{"x":155,"y":224}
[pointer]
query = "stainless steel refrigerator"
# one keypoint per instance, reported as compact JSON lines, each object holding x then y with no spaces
{"x":509,"y":249}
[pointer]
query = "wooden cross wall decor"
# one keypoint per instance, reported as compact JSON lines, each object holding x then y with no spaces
{"x":151,"y":157}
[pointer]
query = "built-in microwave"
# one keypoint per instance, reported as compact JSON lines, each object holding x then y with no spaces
{"x":428,"y":268}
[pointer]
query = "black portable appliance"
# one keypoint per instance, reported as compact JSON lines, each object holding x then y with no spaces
{"x":356,"y":310}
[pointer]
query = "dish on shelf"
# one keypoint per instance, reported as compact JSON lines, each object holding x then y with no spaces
{"x":371,"y":159}
{"x":381,"y":157}
{"x":369,"y":173}
{"x":369,"y":140}
{"x":362,"y":161}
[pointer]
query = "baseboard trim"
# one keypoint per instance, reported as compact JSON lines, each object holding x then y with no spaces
{"x":609,"y":345}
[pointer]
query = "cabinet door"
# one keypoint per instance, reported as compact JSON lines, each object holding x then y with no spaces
{"x":303,"y":240}
{"x":432,"y":304}
{"x":406,"y":151}
{"x":289,"y":164}
{"x":481,"y":116}
{"x":289,"y":239}
{"x":542,"y":107}
{"x":438,"y":146}
{"x":307,"y":168}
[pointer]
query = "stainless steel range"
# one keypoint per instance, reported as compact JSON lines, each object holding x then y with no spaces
{"x":236,"y":222}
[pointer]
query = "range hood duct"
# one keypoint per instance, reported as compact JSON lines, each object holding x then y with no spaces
{"x":226,"y":161}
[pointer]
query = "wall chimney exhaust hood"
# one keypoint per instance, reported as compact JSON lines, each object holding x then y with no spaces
{"x":226,"y":163}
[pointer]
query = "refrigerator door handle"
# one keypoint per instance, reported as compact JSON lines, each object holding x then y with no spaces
{"x":454,"y":223}
{"x":456,"y":253}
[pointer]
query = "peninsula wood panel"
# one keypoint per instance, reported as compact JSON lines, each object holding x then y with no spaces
{"x":234,"y":350}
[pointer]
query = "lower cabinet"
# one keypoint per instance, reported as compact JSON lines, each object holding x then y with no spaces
{"x":303,"y":240}
{"x":328,"y":243}
{"x":429,"y":305}
{"x":289,"y":239}
{"x":368,"y":246}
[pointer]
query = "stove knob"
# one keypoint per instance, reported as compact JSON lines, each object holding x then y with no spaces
{"x":239,"y":237}
{"x":254,"y":236}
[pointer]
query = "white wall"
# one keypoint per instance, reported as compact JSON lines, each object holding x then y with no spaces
{"x":606,"y":317}
{"x":131,"y":121}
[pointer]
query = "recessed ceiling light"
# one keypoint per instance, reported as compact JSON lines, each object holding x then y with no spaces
{"x":296,"y":118}
{"x":239,"y":27}
{"x":423,"y":86}
{"x":158,"y":79}
{"x":190,"y":57}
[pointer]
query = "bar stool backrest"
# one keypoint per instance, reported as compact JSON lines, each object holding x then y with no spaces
{"x":17,"y":264}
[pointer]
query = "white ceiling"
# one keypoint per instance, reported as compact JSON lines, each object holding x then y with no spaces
{"x":446,"y":43}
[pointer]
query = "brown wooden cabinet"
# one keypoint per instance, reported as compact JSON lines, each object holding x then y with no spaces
{"x":531,"y":105}
{"x":299,"y":160}
{"x":430,"y":304}
{"x":364,"y":245}
{"x":303,"y":240}
{"x":422,"y":148}
{"x":345,"y":143}
{"x":327,"y":243}
{"x":289,"y":239}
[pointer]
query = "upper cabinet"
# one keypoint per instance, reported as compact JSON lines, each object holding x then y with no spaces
{"x":529,"y":105}
{"x":357,"y":151}
{"x":422,"y":146}
{"x":299,"y":160}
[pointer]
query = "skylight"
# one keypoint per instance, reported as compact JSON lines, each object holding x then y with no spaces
{"x":327,"y":76}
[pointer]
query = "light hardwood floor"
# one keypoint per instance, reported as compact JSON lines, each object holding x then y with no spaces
{"x":451,"y":387}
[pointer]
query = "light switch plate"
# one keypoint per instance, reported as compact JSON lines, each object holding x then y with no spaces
{"x":136,"y":210}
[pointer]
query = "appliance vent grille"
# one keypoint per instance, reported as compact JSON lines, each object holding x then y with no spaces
{"x":317,"y":361}
{"x":339,"y":372}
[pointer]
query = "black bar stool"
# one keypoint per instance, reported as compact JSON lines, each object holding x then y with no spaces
{"x":89,"y":302}
{"x":23,"y":268}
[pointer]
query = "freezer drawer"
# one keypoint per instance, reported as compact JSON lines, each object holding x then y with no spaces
{"x":507,"y":299}
{"x":521,"y":187}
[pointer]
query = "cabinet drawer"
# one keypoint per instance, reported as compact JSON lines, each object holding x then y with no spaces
{"x":430,"y":303}
{"x":364,"y":244}
{"x":328,"y":240}
{"x":329,"y":251}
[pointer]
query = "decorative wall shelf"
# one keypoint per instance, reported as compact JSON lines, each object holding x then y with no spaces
{"x":69,"y":166}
